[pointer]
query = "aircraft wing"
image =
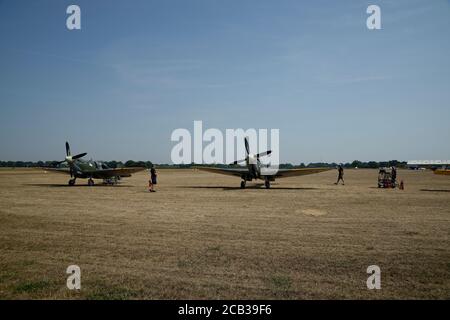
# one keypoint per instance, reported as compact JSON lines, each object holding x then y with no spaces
{"x":239,"y":172}
{"x":57,"y":170}
{"x":282,"y":173}
{"x":101,"y":173}
{"x":115,"y":172}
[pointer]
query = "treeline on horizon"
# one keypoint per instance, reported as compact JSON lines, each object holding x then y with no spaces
{"x":148,"y":164}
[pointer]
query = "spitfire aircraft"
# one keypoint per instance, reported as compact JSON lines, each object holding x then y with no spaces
{"x":78,"y":168}
{"x":254,"y":169}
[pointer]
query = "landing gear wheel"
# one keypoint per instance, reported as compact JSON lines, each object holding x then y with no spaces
{"x":90,"y":182}
{"x":243,"y":184}
{"x":71,"y":182}
{"x":267,"y":184}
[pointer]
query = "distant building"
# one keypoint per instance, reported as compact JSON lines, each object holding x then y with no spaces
{"x":431,"y":164}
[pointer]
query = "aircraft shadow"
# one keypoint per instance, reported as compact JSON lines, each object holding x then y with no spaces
{"x":435,"y":190}
{"x":247,"y":187}
{"x":75,"y":186}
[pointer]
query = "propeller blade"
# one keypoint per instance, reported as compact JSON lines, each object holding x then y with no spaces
{"x":247,"y":147}
{"x":262,"y":154}
{"x":78,"y":156}
{"x":238,"y":161}
{"x":67,"y":149}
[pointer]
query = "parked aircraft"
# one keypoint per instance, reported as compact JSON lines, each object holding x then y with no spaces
{"x":255,"y":170}
{"x":78,"y":168}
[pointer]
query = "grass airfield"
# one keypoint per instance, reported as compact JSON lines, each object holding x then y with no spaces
{"x":201,"y":237}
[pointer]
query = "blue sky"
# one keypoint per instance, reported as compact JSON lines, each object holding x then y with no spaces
{"x":140,"y":69}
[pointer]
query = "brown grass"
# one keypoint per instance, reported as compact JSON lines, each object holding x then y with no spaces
{"x":200,"y":236}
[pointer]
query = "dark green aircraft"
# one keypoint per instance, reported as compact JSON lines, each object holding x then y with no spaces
{"x":254,"y":169}
{"x":78,"y":168}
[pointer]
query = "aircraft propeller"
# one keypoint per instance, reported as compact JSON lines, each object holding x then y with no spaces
{"x":247,"y":149}
{"x":70,"y":159}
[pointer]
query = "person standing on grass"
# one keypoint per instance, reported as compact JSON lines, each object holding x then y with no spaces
{"x":152,"y":181}
{"x":341,"y":175}
{"x":394,"y":175}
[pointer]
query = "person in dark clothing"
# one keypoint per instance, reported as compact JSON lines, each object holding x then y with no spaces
{"x":152,"y":181}
{"x":341,"y":175}
{"x":394,"y":175}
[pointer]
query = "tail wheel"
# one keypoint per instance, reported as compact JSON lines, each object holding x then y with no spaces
{"x":71,"y":182}
{"x":267,"y":184}
{"x":242,"y":184}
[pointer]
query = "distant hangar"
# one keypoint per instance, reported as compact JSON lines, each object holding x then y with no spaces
{"x":433,"y":164}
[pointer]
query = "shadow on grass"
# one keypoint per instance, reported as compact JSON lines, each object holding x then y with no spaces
{"x":53,"y":185}
{"x":435,"y":190}
{"x":247,"y":187}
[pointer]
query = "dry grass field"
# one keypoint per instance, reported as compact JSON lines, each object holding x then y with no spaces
{"x":200,"y":236}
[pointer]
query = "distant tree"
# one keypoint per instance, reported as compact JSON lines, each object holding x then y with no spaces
{"x":357,"y":164}
{"x":383,"y":164}
{"x":373,"y":164}
{"x":148,"y":164}
{"x":319,"y":165}
{"x":111,"y":164}
{"x":393,"y":163}
{"x":130,"y":163}
{"x":139,"y":164}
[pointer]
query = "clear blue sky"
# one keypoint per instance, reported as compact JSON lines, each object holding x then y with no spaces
{"x":139,"y":69}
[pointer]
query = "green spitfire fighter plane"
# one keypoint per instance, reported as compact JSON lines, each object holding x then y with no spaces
{"x":254,"y":170}
{"x":78,"y":168}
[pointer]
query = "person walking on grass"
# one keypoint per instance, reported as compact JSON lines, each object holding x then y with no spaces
{"x":152,"y":181}
{"x":341,"y":175}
